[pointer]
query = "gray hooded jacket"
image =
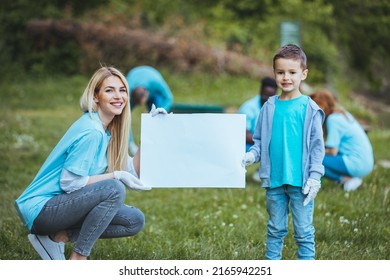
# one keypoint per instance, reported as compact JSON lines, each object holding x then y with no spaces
{"x":313,"y":146}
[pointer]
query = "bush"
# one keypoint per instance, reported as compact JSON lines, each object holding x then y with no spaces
{"x":126,"y":48}
{"x":17,"y":51}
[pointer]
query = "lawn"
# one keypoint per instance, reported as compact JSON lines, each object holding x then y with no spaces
{"x":183,"y":223}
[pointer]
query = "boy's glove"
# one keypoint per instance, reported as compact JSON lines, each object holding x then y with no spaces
{"x":249,"y":158}
{"x":155,"y":111}
{"x":311,"y":188}
{"x":130,"y":181}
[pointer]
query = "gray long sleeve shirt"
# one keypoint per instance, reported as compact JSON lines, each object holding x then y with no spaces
{"x":71,"y":182}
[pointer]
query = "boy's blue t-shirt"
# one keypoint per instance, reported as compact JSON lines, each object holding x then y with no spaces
{"x":286,"y":145}
{"x":82,"y":151}
{"x":352,"y":142}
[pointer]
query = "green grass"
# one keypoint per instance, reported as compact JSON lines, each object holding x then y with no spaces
{"x":183,"y":223}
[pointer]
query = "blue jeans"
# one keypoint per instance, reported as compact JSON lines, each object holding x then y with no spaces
{"x":93,"y":212}
{"x":278,"y":202}
{"x":335,"y":168}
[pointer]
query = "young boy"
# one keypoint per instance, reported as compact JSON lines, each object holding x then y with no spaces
{"x":288,"y":141}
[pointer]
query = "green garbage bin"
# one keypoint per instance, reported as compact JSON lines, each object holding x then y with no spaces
{"x":187,"y":108}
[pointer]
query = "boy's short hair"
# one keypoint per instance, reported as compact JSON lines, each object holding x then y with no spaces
{"x":291,"y":51}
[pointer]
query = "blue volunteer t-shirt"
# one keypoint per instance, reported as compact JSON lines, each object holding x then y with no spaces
{"x":347,"y":135}
{"x":251,"y":108}
{"x":149,"y":78}
{"x":82,"y":151}
{"x":286,"y":145}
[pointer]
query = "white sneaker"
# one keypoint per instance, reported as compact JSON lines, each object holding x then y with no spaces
{"x":47,"y":248}
{"x":352,"y":184}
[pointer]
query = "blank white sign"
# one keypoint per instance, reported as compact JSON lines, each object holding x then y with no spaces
{"x":193,"y":150}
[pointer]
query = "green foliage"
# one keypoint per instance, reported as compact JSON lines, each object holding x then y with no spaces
{"x":315,"y":17}
{"x":363,"y":31}
{"x":16,"y":46}
{"x":331,"y":30}
{"x":251,"y":27}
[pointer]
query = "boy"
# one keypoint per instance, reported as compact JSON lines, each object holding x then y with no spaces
{"x":288,"y":141}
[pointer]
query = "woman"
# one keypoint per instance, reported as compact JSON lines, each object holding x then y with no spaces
{"x":349,"y":155}
{"x":78,"y":194}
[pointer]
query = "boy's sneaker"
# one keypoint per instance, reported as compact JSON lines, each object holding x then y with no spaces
{"x":352,"y":184}
{"x":47,"y":248}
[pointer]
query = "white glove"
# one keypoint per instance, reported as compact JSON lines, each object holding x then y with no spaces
{"x":130,"y":181}
{"x":311,"y":188}
{"x":249,"y":158}
{"x":155,"y":111}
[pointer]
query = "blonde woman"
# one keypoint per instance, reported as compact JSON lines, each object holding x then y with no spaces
{"x":78,"y":194}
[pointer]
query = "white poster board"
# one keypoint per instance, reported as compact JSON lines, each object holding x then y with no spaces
{"x":193,"y":150}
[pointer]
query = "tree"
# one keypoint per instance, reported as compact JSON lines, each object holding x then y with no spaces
{"x":15,"y":44}
{"x":363,"y":31}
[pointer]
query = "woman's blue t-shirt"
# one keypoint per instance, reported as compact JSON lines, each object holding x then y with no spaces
{"x":82,"y":151}
{"x":347,"y":135}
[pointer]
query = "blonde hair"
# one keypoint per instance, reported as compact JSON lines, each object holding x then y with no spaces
{"x":117,"y":151}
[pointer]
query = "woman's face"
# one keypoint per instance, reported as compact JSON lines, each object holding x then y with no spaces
{"x":111,"y":99}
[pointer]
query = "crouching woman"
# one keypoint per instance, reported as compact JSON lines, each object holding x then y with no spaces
{"x":78,"y":194}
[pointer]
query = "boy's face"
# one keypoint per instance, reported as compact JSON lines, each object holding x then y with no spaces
{"x":289,"y":75}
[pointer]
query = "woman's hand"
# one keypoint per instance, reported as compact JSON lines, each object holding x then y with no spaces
{"x":130,"y":181}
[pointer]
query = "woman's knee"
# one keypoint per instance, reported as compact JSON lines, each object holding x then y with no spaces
{"x":116,"y":190}
{"x":138,"y":220}
{"x":131,"y":218}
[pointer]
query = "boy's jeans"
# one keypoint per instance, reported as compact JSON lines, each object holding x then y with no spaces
{"x":278,"y":202}
{"x":93,"y":212}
